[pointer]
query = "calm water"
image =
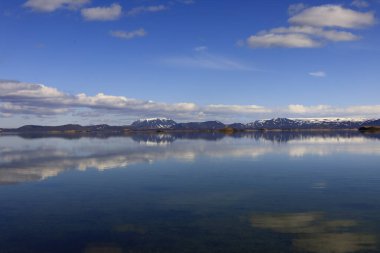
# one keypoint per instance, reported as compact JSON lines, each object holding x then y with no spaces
{"x":261,"y":192}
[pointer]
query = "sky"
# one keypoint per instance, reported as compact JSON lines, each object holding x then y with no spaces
{"x":95,"y":62}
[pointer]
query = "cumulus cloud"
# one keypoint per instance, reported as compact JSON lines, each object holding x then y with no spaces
{"x":361,"y":111}
{"x":103,"y":13}
{"x":313,"y":27}
{"x":282,"y":40}
{"x":333,"y":16}
{"x":142,"y":9}
{"x":13,"y":89}
{"x":38,"y":99}
{"x":53,"y":5}
{"x":332,"y":35}
{"x":127,"y":35}
{"x":298,"y":37}
{"x":20,"y":98}
{"x":243,"y":109}
{"x":9,"y":109}
{"x":318,"y":74}
{"x":301,"y":109}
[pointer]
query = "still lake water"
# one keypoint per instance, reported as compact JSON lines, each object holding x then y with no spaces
{"x":259,"y":192}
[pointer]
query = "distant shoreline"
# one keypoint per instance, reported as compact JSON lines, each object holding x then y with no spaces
{"x":79,"y":132}
{"x":161,"y":125}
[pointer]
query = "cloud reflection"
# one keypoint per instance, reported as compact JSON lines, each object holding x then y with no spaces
{"x":34,"y":159}
{"x":336,"y":243}
{"x":315,"y":233}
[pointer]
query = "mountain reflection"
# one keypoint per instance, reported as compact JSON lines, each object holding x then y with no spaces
{"x":37,"y":158}
{"x":314,"y":233}
{"x":275,"y":136}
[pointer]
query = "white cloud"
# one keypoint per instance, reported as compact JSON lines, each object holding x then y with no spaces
{"x":104,"y":13}
{"x":360,"y":3}
{"x":332,"y":35}
{"x":318,"y":74}
{"x":141,"y":9}
{"x":301,"y":109}
{"x":361,"y":111}
{"x":35,"y":100}
{"x":296,"y":8}
{"x":39,"y":100}
{"x":124,"y":104}
{"x":291,"y":40}
{"x":15,"y":108}
{"x":53,"y":5}
{"x":129,"y":34}
{"x":14,"y":89}
{"x":298,"y":37}
{"x":333,"y":16}
{"x":101,"y":100}
{"x":313,"y":27}
{"x":240,"y":109}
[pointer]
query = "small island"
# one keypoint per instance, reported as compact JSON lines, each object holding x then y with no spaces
{"x":370,"y":129}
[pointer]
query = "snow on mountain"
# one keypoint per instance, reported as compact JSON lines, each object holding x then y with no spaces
{"x":153,"y":119}
{"x":154,"y":123}
{"x":325,"y":120}
{"x":308,"y":123}
{"x":275,"y":123}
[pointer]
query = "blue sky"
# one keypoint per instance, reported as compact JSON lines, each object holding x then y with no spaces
{"x":187,"y":59}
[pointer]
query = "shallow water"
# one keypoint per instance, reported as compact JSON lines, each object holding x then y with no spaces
{"x":258,"y":192}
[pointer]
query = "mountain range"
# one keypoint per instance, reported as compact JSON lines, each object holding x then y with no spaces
{"x":163,"y":124}
{"x":276,"y":123}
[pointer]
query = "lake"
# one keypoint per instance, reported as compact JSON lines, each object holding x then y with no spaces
{"x":191,"y":192}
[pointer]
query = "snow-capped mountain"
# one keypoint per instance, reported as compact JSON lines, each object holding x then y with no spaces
{"x":314,"y":123}
{"x":153,"y":123}
{"x":163,"y":123}
{"x":276,"y":123}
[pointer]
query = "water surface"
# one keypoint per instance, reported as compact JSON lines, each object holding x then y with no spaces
{"x":257,"y":192}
